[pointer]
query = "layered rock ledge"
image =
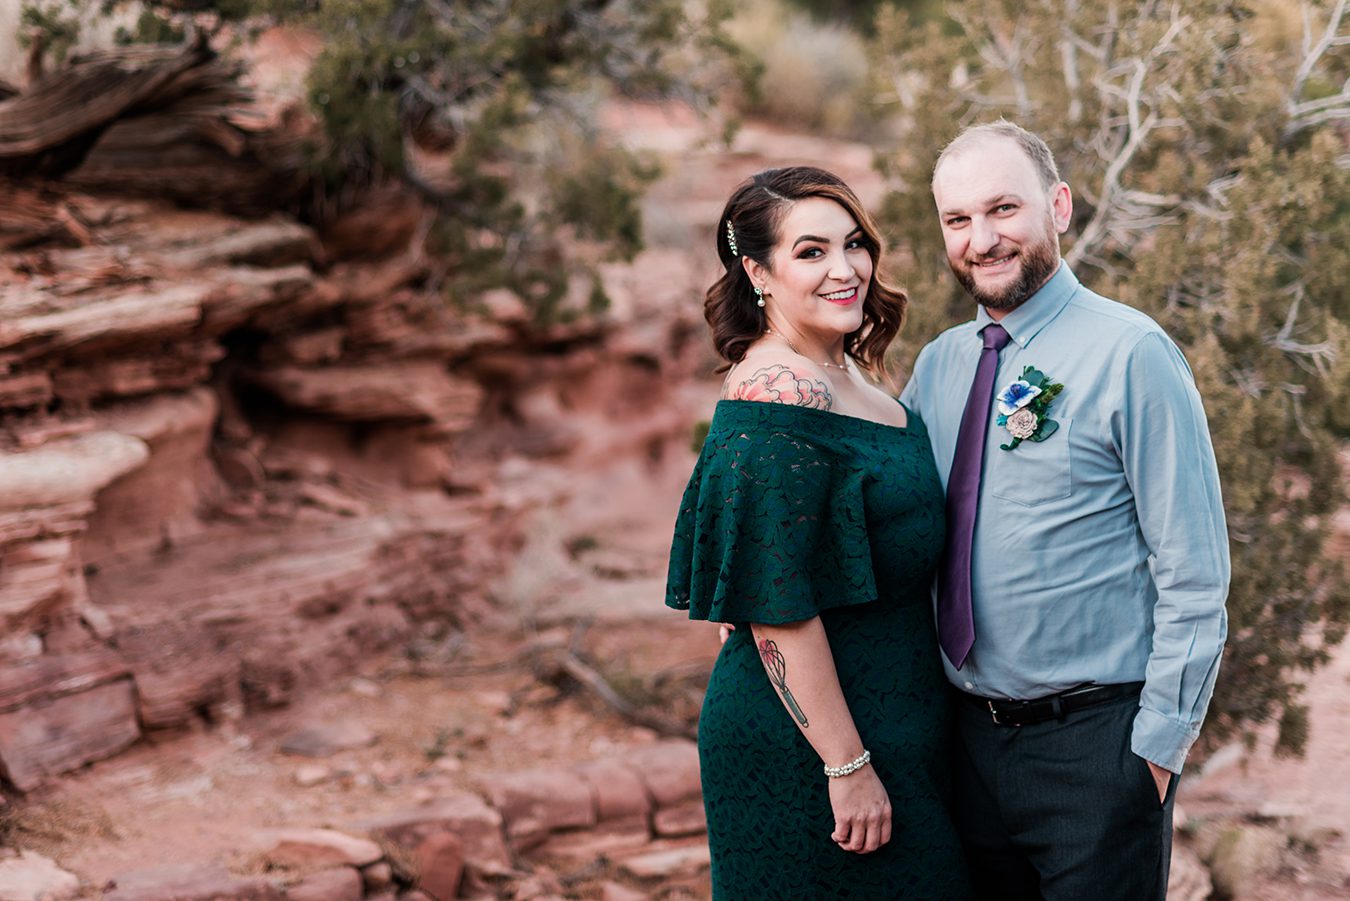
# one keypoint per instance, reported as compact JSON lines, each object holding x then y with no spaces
{"x":230,"y":466}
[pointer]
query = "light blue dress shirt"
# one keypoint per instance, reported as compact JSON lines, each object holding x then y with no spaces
{"x":1100,"y":553}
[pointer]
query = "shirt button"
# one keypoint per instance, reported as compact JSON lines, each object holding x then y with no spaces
{"x":970,"y":685}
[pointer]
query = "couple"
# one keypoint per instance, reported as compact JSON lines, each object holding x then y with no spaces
{"x":1048,"y":468}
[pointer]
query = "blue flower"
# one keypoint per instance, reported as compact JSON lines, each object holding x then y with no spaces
{"x":1016,"y":396}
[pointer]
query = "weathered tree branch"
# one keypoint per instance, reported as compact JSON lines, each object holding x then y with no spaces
{"x":168,"y":121}
{"x":48,"y":129}
{"x":567,"y":663}
{"x":1001,"y":53}
{"x":1312,"y":54}
{"x":1137,"y":128}
{"x":1068,"y":53}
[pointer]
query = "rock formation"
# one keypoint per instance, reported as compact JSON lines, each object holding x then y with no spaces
{"x":230,"y":464}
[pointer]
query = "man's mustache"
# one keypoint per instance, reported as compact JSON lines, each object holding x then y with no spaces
{"x":995,"y":254}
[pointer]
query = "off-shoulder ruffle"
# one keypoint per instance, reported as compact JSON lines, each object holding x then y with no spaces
{"x":772,"y":527}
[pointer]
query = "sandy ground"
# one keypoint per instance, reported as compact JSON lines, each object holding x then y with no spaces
{"x":438,"y":725}
{"x":1307,"y":799}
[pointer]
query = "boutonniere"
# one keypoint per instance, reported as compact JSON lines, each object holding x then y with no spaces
{"x":1022,"y":407}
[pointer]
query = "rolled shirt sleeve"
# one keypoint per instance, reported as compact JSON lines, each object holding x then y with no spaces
{"x":1162,"y":437}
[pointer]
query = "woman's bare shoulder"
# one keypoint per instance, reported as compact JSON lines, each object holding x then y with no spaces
{"x":779,"y":377}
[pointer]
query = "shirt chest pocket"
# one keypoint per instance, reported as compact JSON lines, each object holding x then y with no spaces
{"x":1035,"y":472}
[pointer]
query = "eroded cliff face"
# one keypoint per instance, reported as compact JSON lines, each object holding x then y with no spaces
{"x":231,"y":466}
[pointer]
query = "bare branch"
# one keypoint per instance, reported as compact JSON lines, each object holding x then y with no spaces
{"x":1138,"y":124}
{"x":1312,"y":53}
{"x":1315,"y":112}
{"x":1330,"y":115}
{"x":1313,"y":358}
{"x":1069,"y":58}
{"x":562,"y":662}
{"x":1144,"y":198}
{"x":1004,"y":54}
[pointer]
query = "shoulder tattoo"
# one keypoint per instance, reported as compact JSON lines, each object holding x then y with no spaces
{"x":779,"y":384}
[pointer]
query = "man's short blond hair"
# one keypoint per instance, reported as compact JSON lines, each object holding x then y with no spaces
{"x":1035,"y":149}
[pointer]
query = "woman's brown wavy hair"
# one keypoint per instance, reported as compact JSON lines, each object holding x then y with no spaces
{"x":756,"y":211}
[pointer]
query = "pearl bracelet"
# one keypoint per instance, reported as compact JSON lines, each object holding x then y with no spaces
{"x":834,"y":772}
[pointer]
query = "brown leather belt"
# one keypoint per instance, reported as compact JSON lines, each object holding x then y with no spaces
{"x":1010,"y":712}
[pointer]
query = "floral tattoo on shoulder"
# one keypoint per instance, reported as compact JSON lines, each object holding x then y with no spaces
{"x":780,"y":385}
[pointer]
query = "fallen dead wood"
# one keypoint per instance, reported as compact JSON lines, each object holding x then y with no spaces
{"x":48,"y":129}
{"x":563,"y":666}
{"x":159,"y":121}
{"x":559,"y":664}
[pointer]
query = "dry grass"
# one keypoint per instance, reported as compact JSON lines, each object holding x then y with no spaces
{"x":44,"y":825}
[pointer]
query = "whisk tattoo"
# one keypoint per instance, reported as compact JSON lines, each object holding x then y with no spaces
{"x":777,"y":669}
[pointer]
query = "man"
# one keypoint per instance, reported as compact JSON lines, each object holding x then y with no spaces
{"x":1081,"y":598}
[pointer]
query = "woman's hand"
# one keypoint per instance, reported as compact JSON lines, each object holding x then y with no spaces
{"x":862,"y":811}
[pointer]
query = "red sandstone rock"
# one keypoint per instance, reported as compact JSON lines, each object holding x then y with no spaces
{"x":609,"y":839}
{"x":616,"y":789}
{"x":43,"y":497}
{"x":536,"y":802}
{"x":53,"y":675}
{"x":160,"y":503}
{"x":190,"y":883}
{"x":440,"y":865}
{"x":614,"y":891}
{"x":268,"y":244}
{"x":668,"y":861}
{"x":377,"y":877}
{"x":327,"y":739}
{"x":31,"y":876}
{"x":264,"y":610}
{"x":681,"y":820}
{"x":669,"y":769}
{"x":337,"y":884}
{"x":1189,"y":879}
{"x":478,"y":827}
{"x":179,"y":669}
{"x":412,"y":390}
{"x":48,"y":738}
{"x":539,"y":886}
{"x":314,"y":848}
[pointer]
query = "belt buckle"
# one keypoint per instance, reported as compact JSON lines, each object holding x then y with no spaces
{"x":993,"y":713}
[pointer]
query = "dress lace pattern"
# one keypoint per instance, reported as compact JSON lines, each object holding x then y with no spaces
{"x":793,"y":513}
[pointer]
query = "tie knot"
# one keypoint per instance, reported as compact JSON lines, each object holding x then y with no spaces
{"x":995,"y":336}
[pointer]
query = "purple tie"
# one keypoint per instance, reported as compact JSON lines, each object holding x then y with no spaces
{"x":956,"y":622}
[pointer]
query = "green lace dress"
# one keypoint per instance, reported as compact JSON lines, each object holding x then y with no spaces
{"x":792,"y":513}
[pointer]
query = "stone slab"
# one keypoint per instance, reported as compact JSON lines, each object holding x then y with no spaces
{"x":54,"y":736}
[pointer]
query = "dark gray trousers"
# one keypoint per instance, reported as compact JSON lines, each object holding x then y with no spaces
{"x":1061,"y":810}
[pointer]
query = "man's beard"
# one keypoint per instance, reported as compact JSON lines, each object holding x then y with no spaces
{"x":1039,"y":262}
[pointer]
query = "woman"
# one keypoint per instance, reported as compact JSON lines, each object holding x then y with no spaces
{"x":813,"y":521}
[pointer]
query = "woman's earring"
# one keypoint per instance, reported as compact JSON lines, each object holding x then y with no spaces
{"x":759,"y":296}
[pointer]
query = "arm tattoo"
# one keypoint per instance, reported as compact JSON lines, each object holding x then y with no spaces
{"x":777,"y":669}
{"x":780,"y":385}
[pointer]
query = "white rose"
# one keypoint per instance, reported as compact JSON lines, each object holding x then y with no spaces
{"x":1023,"y":423}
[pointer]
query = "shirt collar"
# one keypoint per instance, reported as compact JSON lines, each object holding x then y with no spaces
{"x":1039,"y":310}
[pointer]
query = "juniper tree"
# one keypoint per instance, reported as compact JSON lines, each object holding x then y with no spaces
{"x":1206,"y":148}
{"x":488,"y":109}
